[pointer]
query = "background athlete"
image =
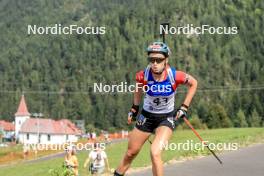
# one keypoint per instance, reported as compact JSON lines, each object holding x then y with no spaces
{"x":159,"y":81}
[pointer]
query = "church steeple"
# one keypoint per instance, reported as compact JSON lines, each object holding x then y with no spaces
{"x":22,"y":108}
{"x":21,"y":115}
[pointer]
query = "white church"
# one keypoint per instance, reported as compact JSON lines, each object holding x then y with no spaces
{"x":43,"y":131}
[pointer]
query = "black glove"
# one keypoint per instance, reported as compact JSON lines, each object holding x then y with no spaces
{"x":133,"y":112}
{"x":181,"y":112}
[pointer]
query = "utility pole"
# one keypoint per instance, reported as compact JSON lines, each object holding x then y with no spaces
{"x":38,"y":115}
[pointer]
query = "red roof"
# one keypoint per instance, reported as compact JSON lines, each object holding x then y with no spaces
{"x":22,"y":108}
{"x":7,"y":126}
{"x":49,"y":126}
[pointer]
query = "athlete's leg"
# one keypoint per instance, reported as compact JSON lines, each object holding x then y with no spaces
{"x":136,"y":140}
{"x":162,"y":136}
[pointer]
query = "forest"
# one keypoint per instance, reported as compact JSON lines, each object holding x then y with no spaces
{"x":56,"y":73}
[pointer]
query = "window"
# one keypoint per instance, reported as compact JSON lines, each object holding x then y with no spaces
{"x":39,"y":138}
{"x":48,"y":137}
{"x":67,"y":137}
{"x":27,"y":136}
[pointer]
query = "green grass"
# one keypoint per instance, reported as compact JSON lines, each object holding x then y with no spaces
{"x":13,"y":148}
{"x":243,"y":136}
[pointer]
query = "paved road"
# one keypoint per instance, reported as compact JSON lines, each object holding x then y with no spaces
{"x":245,"y":162}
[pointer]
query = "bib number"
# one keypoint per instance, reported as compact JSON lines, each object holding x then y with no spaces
{"x":158,"y":101}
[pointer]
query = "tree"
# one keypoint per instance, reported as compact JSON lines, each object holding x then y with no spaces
{"x":197,"y":123}
{"x":240,"y":119}
{"x":52,"y":68}
{"x":218,"y":118}
{"x":255,"y":119}
{"x":90,"y":128}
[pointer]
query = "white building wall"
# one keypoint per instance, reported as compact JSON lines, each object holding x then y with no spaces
{"x":21,"y":138}
{"x":73,"y":138}
{"x":54,"y":138}
{"x":19,"y":120}
{"x":33,"y":138}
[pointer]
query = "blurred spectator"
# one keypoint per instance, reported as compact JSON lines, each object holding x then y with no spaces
{"x":25,"y":151}
{"x":70,"y":160}
{"x":97,"y":160}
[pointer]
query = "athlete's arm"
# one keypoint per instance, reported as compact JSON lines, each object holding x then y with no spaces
{"x":137,"y":95}
{"x":75,"y":162}
{"x":86,"y":162}
{"x":89,"y":158}
{"x":190,"y":82}
{"x":107,"y":164}
{"x":139,"y":86}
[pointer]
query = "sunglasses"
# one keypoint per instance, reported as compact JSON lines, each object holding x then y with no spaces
{"x":156,"y":59}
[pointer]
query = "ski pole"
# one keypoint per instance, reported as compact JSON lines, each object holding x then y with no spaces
{"x":197,"y":134}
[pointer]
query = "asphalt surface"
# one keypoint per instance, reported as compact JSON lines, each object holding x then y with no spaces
{"x":244,"y":162}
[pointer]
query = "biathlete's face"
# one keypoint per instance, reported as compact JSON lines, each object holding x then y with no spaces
{"x":157,"y":61}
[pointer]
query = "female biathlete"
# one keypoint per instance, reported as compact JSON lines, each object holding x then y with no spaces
{"x":160,"y":82}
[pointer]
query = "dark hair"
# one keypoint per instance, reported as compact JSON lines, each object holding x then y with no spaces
{"x":96,"y":145}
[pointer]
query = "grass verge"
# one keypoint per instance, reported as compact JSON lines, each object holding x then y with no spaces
{"x":241,"y":136}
